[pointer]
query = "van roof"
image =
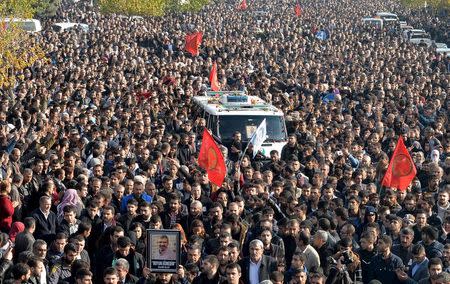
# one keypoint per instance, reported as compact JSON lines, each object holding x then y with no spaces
{"x":417,"y":31}
{"x":442,"y":50}
{"x":372,"y":19}
{"x":19,"y":20}
{"x":69,"y":25}
{"x":386,"y":14}
{"x":213,"y":103}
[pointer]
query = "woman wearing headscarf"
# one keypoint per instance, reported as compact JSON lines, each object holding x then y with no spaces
{"x":70,"y":197}
{"x":16,"y":228}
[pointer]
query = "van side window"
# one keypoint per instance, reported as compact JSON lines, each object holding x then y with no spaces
{"x":207,"y":117}
{"x":213,"y":125}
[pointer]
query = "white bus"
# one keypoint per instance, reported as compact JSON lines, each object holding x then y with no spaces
{"x":228,"y":112}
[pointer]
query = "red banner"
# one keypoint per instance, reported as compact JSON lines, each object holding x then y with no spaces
{"x":193,"y":42}
{"x":213,"y":78}
{"x":211,"y":159}
{"x":401,"y":170}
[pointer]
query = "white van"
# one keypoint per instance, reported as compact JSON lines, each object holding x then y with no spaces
{"x":418,"y":37}
{"x":227,"y":112}
{"x":61,"y":27}
{"x":443,"y":51}
{"x":387,"y":17}
{"x":406,"y":28}
{"x":440,"y":45}
{"x":408,"y":33}
{"x":373,"y":22}
{"x":28,"y":25}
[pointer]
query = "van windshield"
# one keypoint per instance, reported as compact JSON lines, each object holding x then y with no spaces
{"x":413,"y":36}
{"x":26,"y":26}
{"x":57,"y":28}
{"x":373,"y":22}
{"x":246,"y":125}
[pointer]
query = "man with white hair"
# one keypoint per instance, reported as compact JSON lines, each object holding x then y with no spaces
{"x":122,"y":267}
{"x":320,"y":244}
{"x":257,"y":267}
{"x":195,"y":213}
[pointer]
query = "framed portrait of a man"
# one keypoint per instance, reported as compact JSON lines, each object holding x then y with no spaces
{"x":163,"y":250}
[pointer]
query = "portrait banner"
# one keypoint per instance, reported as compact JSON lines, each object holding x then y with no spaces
{"x":163,"y":250}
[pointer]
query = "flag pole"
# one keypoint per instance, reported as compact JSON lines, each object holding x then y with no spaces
{"x":239,"y":168}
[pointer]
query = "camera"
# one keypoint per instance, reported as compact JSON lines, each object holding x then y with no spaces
{"x":347,"y":257}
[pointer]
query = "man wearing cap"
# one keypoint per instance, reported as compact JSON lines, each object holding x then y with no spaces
{"x":138,"y":193}
{"x":395,"y":225}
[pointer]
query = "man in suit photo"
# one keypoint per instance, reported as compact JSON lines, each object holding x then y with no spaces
{"x":164,"y":251}
{"x":257,"y":267}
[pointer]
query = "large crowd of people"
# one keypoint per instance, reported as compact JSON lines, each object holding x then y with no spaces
{"x":100,"y":143}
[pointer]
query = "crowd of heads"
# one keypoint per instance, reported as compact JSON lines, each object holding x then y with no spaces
{"x":100,"y":143}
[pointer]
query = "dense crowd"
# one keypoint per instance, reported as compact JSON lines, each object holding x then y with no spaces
{"x":100,"y":143}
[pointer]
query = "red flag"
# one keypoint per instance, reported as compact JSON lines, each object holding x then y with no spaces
{"x":243,"y":5}
{"x":401,"y":170}
{"x":298,"y":10}
{"x":211,"y":159}
{"x":193,"y":42}
{"x":213,"y":78}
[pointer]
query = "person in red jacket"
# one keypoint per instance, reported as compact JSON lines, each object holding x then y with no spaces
{"x":6,"y":207}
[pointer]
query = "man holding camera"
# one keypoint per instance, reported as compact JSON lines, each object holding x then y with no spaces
{"x":345,"y":264}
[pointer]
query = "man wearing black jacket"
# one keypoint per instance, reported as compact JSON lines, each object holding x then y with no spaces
{"x":45,"y":220}
{"x":174,"y":212}
{"x":184,"y":151}
{"x":385,"y":263}
{"x":403,"y":250}
{"x":123,"y":266}
{"x":135,"y":259}
{"x":210,"y":274}
{"x":320,"y":243}
{"x":104,"y":256}
{"x":433,"y":248}
{"x":69,"y":225}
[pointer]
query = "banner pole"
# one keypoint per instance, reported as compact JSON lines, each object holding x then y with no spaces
{"x":239,"y":168}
